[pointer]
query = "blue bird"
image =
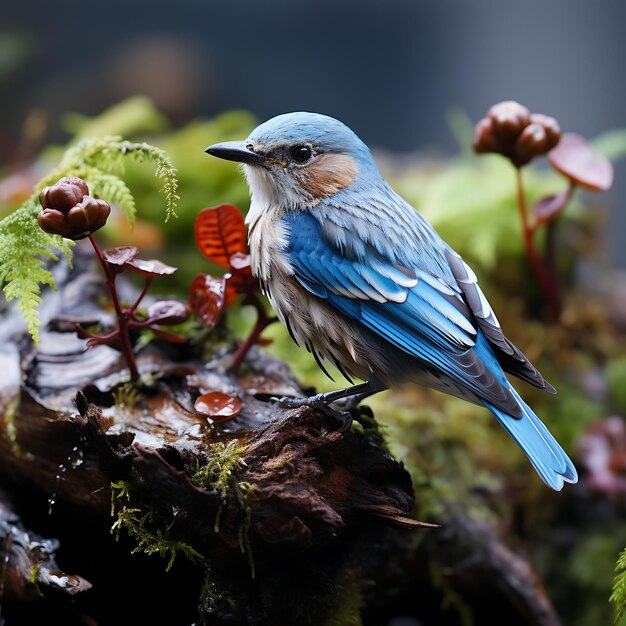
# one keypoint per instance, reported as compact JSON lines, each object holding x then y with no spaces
{"x":362,"y":280}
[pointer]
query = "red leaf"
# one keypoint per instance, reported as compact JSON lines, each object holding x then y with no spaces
{"x":118,"y":257}
{"x":218,"y":406}
{"x":546,"y":209}
{"x":242,"y":279}
{"x":574,"y":158}
{"x":231,"y":291}
{"x":207,"y":298}
{"x":167,"y":312}
{"x":220,"y":232}
{"x":153,"y":267}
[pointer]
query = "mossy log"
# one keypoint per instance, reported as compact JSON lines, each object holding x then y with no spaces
{"x":274,"y":517}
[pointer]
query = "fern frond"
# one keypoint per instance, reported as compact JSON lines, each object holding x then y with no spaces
{"x":618,"y":596}
{"x":24,"y":247}
{"x":114,"y":191}
{"x":164,"y":170}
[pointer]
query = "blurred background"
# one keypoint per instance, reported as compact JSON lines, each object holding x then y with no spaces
{"x":411,"y":77}
{"x":392,"y":71}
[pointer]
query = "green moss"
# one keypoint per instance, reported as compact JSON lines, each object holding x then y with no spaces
{"x":452,"y":600}
{"x":142,"y":525}
{"x":11,"y":431}
{"x":219,"y":472}
{"x":125,"y":398}
{"x":348,"y":602}
{"x":35,"y":568}
{"x":214,"y":598}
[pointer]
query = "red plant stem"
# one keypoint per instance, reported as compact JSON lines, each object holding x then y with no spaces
{"x":546,"y":281}
{"x":263,"y":321}
{"x":122,"y":315}
{"x":550,"y":256}
{"x":146,"y":286}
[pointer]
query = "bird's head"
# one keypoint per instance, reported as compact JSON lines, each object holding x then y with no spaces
{"x":298,"y":159}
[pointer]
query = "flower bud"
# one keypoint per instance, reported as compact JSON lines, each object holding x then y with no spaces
{"x":60,"y":196}
{"x":531,"y":142}
{"x":484,"y":137}
{"x":511,"y":130}
{"x":508,"y":118}
{"x":77,"y":182}
{"x":551,"y":127}
{"x":68,"y":210}
{"x":52,"y":221}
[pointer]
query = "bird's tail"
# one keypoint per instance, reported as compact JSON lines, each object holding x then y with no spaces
{"x":546,"y":455}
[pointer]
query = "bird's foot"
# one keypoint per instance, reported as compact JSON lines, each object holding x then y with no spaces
{"x":319,"y":402}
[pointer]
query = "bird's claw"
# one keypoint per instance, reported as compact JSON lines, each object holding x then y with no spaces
{"x":320,"y":404}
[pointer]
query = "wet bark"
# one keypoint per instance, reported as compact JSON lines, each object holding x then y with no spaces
{"x":275,"y":517}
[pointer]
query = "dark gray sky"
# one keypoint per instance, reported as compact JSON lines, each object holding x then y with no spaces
{"x":390,"y":69}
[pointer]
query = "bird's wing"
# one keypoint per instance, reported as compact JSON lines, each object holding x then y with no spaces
{"x":408,"y":307}
{"x":509,"y":356}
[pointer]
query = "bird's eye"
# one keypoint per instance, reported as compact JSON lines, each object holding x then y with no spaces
{"x":301,"y":154}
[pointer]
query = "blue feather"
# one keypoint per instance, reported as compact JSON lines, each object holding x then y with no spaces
{"x":542,"y":449}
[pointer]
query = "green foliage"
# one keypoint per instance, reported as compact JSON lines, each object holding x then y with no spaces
{"x":142,"y":526}
{"x":24,"y":247}
{"x":126,"y":118}
{"x":472,"y":203}
{"x":616,"y":379}
{"x":618,"y":597}
{"x":612,"y":144}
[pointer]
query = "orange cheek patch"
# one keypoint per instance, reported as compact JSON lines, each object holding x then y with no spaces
{"x":328,"y":174}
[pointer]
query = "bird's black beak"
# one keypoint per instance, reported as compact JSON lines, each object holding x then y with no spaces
{"x":235,"y":151}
